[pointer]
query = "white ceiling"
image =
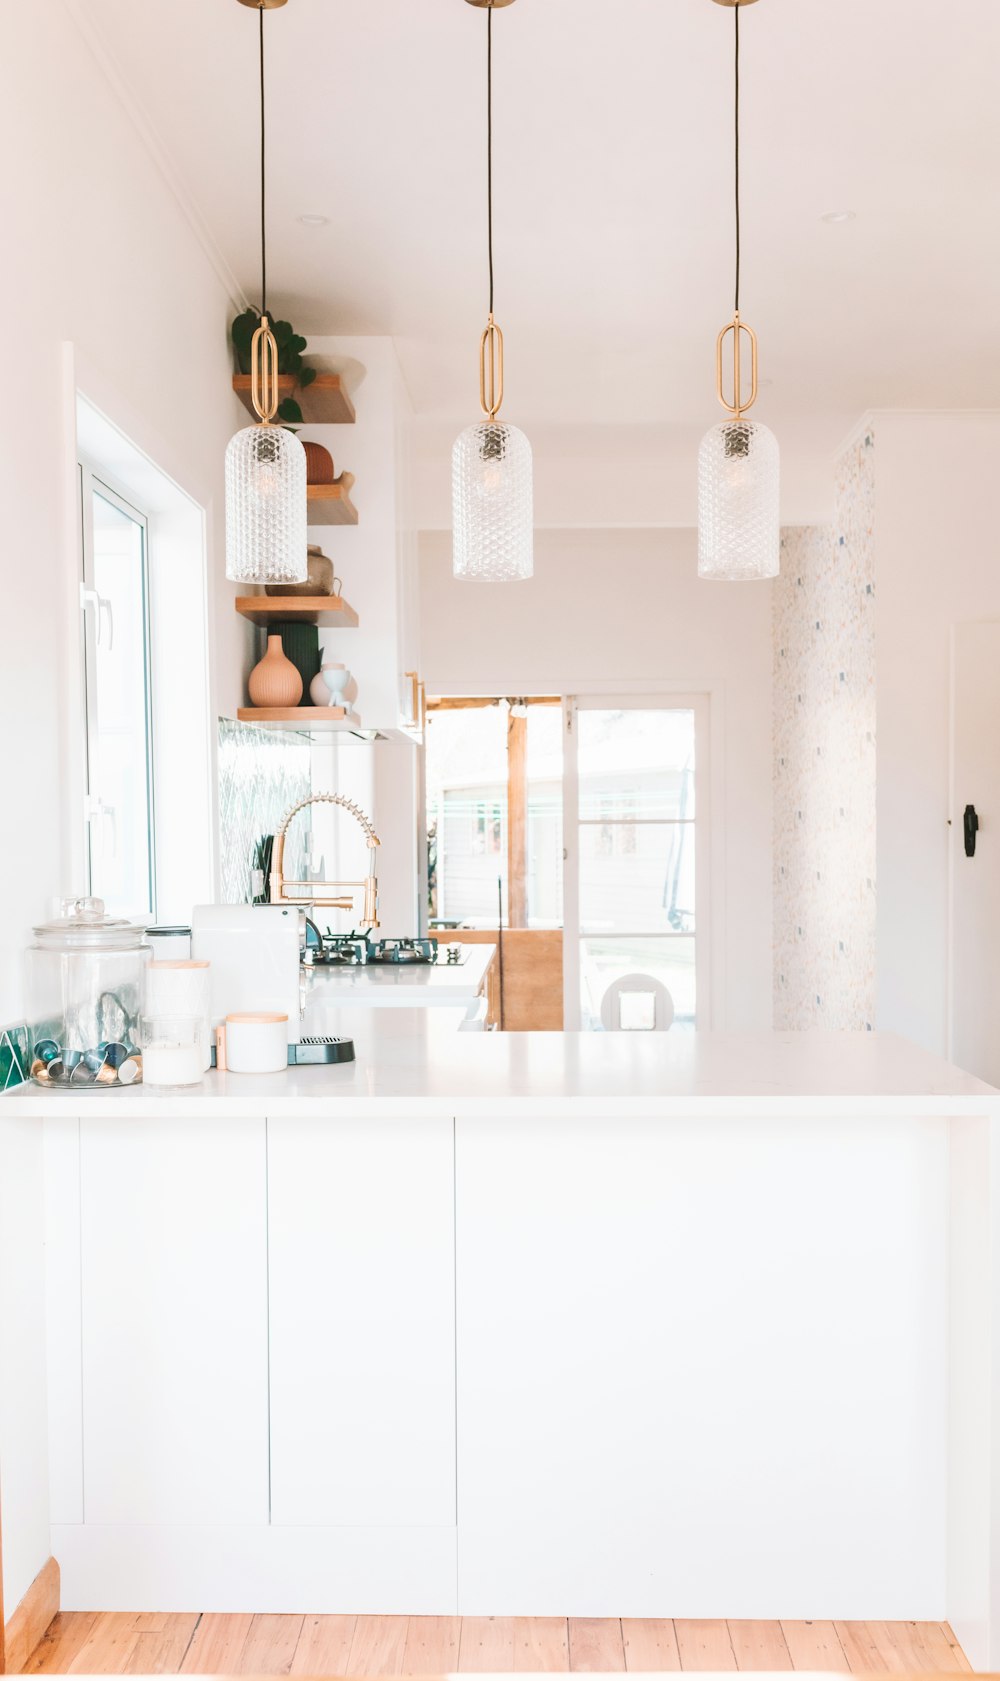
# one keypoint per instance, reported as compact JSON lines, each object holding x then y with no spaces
{"x":613,"y":204}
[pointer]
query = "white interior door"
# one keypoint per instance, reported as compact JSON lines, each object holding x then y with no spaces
{"x":974,"y":990}
{"x":635,"y":794}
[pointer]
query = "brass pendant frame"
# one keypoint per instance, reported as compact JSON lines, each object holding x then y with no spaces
{"x":264,"y":393}
{"x":491,"y":369}
{"x":739,"y":404}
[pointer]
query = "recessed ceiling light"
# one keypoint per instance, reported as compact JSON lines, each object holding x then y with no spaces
{"x":314,"y":221}
{"x":839,"y":216}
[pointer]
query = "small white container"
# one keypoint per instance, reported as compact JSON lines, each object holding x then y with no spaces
{"x":182,"y":988}
{"x":254,"y":1044}
{"x":173,"y":1052}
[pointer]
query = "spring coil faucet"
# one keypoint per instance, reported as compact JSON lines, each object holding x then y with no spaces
{"x":308,"y":892}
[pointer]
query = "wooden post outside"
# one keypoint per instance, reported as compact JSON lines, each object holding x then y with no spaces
{"x":517,"y":821}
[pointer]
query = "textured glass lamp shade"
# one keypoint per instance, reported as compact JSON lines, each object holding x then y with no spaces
{"x":266,"y":516}
{"x":492,"y":506}
{"x":739,"y":523}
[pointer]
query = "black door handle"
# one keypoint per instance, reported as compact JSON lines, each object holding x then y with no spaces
{"x":971,"y":822}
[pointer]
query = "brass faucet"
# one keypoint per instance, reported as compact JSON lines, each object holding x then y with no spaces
{"x":307,"y":892}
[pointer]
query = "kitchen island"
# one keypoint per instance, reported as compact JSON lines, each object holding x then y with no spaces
{"x":646,"y":1325}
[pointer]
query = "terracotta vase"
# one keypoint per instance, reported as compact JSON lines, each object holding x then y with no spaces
{"x":319,"y":464}
{"x":275,"y":681}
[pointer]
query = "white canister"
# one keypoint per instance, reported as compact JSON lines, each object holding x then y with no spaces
{"x":182,"y":988}
{"x":254,"y":1044}
{"x":173,"y":1050}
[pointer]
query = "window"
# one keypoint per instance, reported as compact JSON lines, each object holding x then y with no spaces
{"x":637,"y":876}
{"x":494,"y":813}
{"x":115,"y":600}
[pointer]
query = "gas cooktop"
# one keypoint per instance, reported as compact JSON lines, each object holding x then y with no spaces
{"x":356,"y":951}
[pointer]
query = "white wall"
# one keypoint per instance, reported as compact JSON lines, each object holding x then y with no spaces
{"x":937,"y":563}
{"x":610,"y":608}
{"x":99,"y":255}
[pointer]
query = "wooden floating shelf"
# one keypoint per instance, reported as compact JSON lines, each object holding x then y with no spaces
{"x":330,"y":504}
{"x":323,"y":403}
{"x":265,"y":610}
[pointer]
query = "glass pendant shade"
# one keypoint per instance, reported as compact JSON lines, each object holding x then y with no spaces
{"x":266,"y":515}
{"x":739,"y":526}
{"x":492,"y":504}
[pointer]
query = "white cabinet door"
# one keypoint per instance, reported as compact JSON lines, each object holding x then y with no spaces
{"x":174,"y":1312}
{"x":362,"y":1308}
{"x":974,"y":1005}
{"x":702,"y":1363}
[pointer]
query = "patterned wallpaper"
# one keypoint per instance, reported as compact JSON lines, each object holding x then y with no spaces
{"x":262,"y":773}
{"x":824,"y":753}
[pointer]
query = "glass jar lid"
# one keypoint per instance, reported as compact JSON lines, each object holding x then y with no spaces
{"x":83,"y":924}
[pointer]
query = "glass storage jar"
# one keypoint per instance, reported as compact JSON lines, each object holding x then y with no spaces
{"x":85,"y":995}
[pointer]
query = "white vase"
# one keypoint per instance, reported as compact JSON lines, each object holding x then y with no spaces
{"x":336,"y":677}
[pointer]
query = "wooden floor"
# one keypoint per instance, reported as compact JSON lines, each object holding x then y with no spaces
{"x":107,"y":1643}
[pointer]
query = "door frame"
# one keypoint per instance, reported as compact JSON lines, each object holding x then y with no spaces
{"x":700,"y":703}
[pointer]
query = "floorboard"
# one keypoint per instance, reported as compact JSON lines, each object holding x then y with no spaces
{"x":814,"y":1646}
{"x":541,"y":1644}
{"x":487,"y":1643}
{"x":650,"y":1643}
{"x":759,"y":1645}
{"x":432,"y":1645}
{"x":270,"y":1645}
{"x":596,"y":1645}
{"x":860,"y":1648}
{"x":217,"y":1644}
{"x":378,"y":1646}
{"x":704,"y":1645}
{"x":153,"y":1643}
{"x":160,"y":1651}
{"x":63,"y":1639}
{"x":324,"y":1646}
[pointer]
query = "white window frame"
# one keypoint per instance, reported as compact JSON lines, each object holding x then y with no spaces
{"x":95,"y":623}
{"x":700,"y":705}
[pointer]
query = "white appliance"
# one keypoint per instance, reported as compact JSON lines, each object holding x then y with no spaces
{"x":255,"y":952}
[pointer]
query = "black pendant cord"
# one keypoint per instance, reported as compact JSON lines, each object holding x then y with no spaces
{"x":263,"y":190}
{"x":489,"y":139}
{"x":736,"y":13}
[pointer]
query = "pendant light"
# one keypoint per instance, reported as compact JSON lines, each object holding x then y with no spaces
{"x":739,"y":527}
{"x":492,"y":512}
{"x":266,"y":515}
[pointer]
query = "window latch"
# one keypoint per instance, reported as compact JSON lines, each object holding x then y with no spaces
{"x":101,"y":608}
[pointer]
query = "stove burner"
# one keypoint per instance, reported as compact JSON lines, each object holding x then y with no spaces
{"x":353,"y":951}
{"x":402,"y":951}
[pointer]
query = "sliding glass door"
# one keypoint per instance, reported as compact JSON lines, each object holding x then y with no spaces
{"x":635,"y":793}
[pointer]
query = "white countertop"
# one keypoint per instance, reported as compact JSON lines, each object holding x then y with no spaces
{"x":414,"y":1061}
{"x":401,"y":984}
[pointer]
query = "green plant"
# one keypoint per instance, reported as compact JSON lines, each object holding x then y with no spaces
{"x":290,"y":347}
